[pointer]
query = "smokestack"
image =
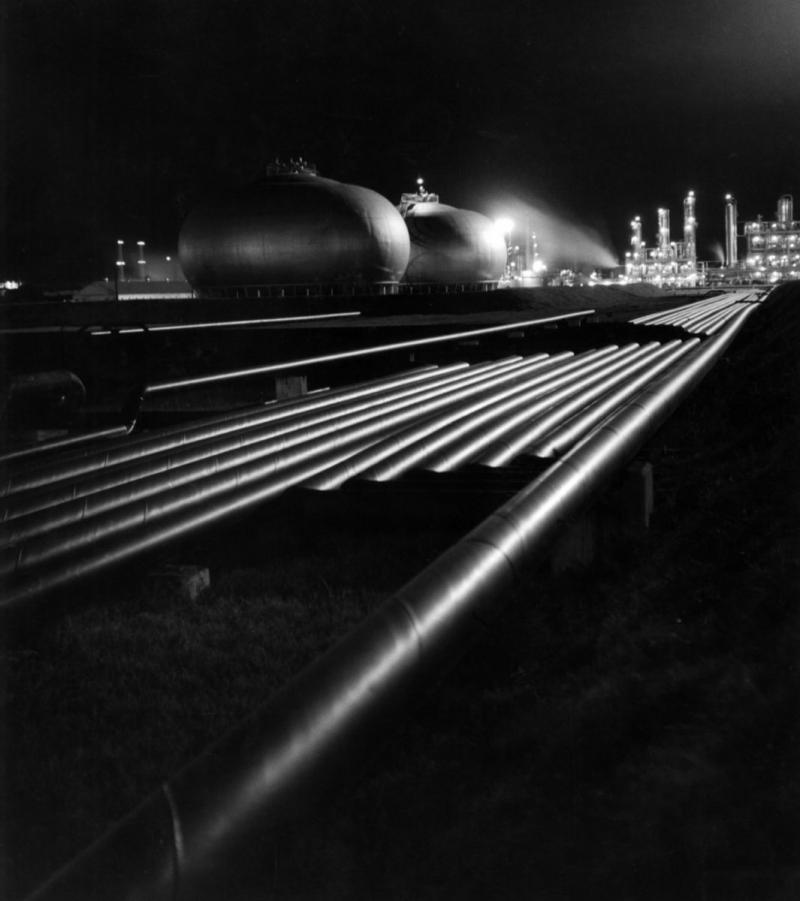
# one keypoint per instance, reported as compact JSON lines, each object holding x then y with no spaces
{"x":786,"y":210}
{"x":663,"y":234}
{"x":636,"y":257}
{"x":731,"y":253}
{"x":690,"y":230}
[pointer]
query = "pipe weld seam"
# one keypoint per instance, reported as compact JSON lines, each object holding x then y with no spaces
{"x":177,"y":839}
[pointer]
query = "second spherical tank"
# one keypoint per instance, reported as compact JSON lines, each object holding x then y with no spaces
{"x":294,"y":229}
{"x":453,"y":246}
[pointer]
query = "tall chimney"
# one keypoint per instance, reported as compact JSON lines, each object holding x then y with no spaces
{"x":663,"y":234}
{"x":690,"y":230}
{"x":731,"y":252}
{"x":786,"y":210}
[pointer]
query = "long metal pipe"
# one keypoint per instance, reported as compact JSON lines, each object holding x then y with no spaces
{"x":662,"y":315}
{"x":702,"y":310}
{"x":191,"y":500}
{"x":562,"y":438}
{"x":91,"y":459}
{"x":174,"y":465}
{"x":542,"y":420}
{"x":303,"y":363}
{"x":682,"y":313}
{"x":448,"y":448}
{"x":59,"y":444}
{"x":219,"y":324}
{"x":700,"y":326}
{"x":179,"y":843}
{"x":125,"y":484}
{"x":159,"y":387}
{"x":85,"y":476}
{"x":414,"y":443}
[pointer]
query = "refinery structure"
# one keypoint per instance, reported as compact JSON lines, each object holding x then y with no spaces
{"x":295,"y":233}
{"x":756,"y":252}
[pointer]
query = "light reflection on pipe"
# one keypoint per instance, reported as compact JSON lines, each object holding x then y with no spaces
{"x":254,"y":778}
{"x":366,"y":425}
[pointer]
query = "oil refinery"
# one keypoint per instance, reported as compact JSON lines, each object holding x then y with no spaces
{"x":770,"y":249}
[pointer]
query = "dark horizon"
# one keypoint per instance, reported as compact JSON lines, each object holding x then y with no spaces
{"x":121,"y":115}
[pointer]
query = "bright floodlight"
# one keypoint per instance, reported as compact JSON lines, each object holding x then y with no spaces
{"x":504,"y":225}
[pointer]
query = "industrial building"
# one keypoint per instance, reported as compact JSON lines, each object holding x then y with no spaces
{"x":668,"y":263}
{"x":756,"y":251}
{"x":771,"y":248}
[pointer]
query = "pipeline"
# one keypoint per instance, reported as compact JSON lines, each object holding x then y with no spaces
{"x":400,"y":452}
{"x":182,"y":434}
{"x":115,"y":452}
{"x":63,"y":555}
{"x":556,"y":442}
{"x":60,"y":444}
{"x":219,"y":324}
{"x":218,"y":452}
{"x":676,"y":312}
{"x":513,"y":436}
{"x":179,"y":843}
{"x":198,"y":381}
{"x":32,"y":491}
{"x":134,"y":404}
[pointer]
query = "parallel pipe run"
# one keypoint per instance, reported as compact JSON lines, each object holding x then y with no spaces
{"x":148,"y":475}
{"x":85,"y":547}
{"x":179,"y":843}
{"x":702,"y":315}
{"x":382,"y":463}
{"x":36,"y":451}
{"x":401,"y":450}
{"x":715,"y":320}
{"x":159,"y":387}
{"x":562,"y":438}
{"x":676,"y":312}
{"x":171,"y":437}
{"x":542,"y":418}
{"x":222,"y":324}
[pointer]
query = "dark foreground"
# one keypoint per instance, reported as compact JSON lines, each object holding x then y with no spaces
{"x":630,"y":731}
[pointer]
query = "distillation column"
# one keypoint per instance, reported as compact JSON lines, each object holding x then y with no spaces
{"x":636,"y":268}
{"x":731,"y":252}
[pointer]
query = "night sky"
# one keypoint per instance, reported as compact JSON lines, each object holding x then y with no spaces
{"x":120,"y":115}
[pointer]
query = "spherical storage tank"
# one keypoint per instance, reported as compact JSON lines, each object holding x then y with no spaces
{"x":294,"y":229}
{"x":453,"y":246}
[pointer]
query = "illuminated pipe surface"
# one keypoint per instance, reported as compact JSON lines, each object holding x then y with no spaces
{"x":179,"y":842}
{"x":685,"y":310}
{"x":519,"y":432}
{"x":106,"y":551}
{"x":413,"y":443}
{"x":562,"y":438}
{"x":294,"y":364}
{"x":714,"y":327}
{"x":166,"y":439}
{"x":181,"y":454}
{"x":701,"y":325}
{"x":187,"y":499}
{"x":69,"y":487}
{"x":676,"y":318}
{"x":703,"y":315}
{"x":449,"y":448}
{"x":58,"y":444}
{"x":159,"y":387}
{"x":221,"y":324}
{"x":126,"y":484}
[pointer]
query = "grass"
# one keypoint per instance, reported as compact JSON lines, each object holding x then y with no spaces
{"x":628,"y":731}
